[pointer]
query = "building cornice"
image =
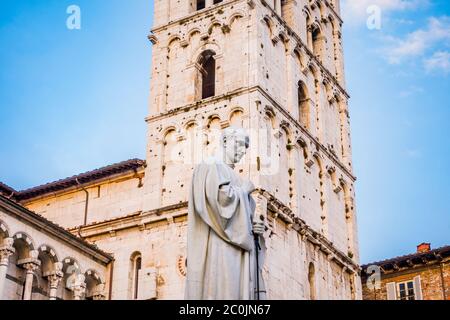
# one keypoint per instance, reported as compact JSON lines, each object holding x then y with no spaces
{"x":227,"y":96}
{"x":14,"y":209}
{"x":290,"y":32}
{"x":311,"y":55}
{"x":186,"y":18}
{"x":145,"y":220}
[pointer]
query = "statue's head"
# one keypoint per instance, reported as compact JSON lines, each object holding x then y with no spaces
{"x":235,"y":142}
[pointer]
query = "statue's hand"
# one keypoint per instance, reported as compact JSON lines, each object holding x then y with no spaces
{"x":259,"y":228}
{"x":248,"y":186}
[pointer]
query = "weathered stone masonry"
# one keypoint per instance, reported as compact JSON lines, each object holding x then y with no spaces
{"x":275,"y":68}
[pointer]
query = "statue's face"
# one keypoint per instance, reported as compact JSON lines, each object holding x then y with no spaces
{"x":235,"y":149}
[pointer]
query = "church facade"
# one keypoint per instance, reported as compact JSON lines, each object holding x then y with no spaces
{"x":273,"y":67}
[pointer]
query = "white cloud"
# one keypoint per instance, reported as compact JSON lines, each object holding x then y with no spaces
{"x":418,"y":42}
{"x":355,"y":11}
{"x":440,"y":62}
{"x":412,"y":90}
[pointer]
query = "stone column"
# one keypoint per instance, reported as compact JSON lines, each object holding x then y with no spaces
{"x":209,"y":3}
{"x":30,"y":268}
{"x":6,"y":250}
{"x":54,"y":280}
{"x":79,"y":287}
{"x":99,"y":292}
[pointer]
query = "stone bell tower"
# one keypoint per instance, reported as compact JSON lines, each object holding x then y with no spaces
{"x":276,"y":68}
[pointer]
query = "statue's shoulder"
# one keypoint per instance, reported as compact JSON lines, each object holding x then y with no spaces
{"x":209,"y":163}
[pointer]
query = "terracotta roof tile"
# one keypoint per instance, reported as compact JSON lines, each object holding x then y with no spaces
{"x":83,"y":178}
{"x":415,"y":258}
{"x":6,"y":190}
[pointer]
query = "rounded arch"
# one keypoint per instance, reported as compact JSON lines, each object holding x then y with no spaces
{"x":344,"y":186}
{"x":206,"y":74}
{"x":300,"y":56}
{"x":93,"y":280}
{"x":283,"y":37}
{"x":25,"y":238}
{"x":313,"y":69}
{"x":71,"y":266}
{"x":269,"y":112}
{"x":303,"y":101}
{"x":48,"y":258}
{"x":286,"y":128}
{"x":317,"y":41}
{"x":191,"y":123}
{"x":319,"y":161}
{"x":172,"y":39}
{"x":316,"y":25}
{"x":48,"y":250}
{"x":206,"y":54}
{"x":332,"y":20}
{"x":133,"y":276}
{"x":214,"y":24}
{"x":236,"y":116}
{"x":94,"y":276}
{"x":304,"y":146}
{"x":191,"y":33}
{"x":212,"y":117}
{"x":307,"y":12}
{"x":235,"y":16}
{"x":172,"y":127}
{"x":213,"y":47}
{"x":269,"y":24}
{"x":4,"y":231}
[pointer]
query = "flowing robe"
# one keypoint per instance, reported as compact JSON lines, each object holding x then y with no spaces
{"x":221,"y":262}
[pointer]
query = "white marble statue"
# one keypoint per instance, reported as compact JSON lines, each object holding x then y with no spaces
{"x":221,"y":253}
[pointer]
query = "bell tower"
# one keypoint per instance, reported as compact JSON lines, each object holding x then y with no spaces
{"x":276,"y":68}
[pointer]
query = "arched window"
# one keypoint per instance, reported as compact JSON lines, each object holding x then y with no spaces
{"x":207,"y":64}
{"x":303,"y":105}
{"x":317,"y":42}
{"x":136,"y":266}
{"x":200,"y":4}
{"x":312,"y":281}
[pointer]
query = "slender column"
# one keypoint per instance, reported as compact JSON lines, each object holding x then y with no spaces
{"x":54,"y":280}
{"x":79,"y":287}
{"x":99,"y":292}
{"x":30,"y":268}
{"x":209,"y":3}
{"x":6,"y":250}
{"x":30,"y":264}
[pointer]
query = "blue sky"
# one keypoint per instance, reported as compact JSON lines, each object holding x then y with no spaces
{"x":72,"y":101}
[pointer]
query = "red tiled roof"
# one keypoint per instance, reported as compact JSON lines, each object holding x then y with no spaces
{"x":74,"y":181}
{"x":6,"y":191}
{"x":411,"y":259}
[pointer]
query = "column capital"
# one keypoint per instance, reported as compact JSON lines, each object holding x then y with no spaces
{"x":30,"y":266}
{"x":54,"y":279}
{"x":6,"y":250}
{"x":78,"y":291}
{"x":78,"y":286}
{"x":99,"y":292}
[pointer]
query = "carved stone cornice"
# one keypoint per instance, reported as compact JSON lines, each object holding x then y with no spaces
{"x":284,"y":213}
{"x":6,"y":250}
